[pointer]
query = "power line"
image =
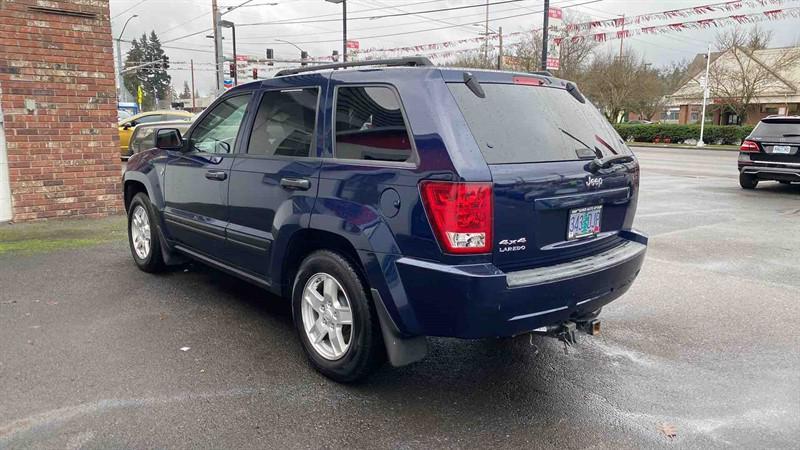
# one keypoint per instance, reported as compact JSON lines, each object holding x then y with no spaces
{"x":349,"y":19}
{"x":433,"y":29}
{"x":132,"y":7}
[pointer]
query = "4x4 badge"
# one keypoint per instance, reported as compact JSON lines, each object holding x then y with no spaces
{"x":594,"y":182}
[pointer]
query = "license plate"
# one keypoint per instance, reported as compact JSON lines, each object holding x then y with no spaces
{"x":584,"y":222}
{"x":782,"y":149}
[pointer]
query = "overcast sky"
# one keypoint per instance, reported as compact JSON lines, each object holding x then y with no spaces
{"x":172,"y":19}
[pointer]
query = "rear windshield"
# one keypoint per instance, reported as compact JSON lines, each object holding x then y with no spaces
{"x":777,"y":129}
{"x":523,"y":124}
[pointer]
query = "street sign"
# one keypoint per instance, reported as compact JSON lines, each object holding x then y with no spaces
{"x":242,"y":58}
{"x":555,"y":21}
{"x":353,"y":45}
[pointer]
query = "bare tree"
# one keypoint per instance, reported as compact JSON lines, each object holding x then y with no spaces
{"x":739,"y":75}
{"x":611,"y":82}
{"x":574,"y":58}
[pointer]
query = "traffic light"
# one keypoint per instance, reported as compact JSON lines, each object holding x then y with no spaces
{"x":233,"y":70}
{"x":270,"y":54}
{"x":164,"y":62}
{"x":303,"y":57}
{"x":255,"y":73}
{"x":335,"y":56}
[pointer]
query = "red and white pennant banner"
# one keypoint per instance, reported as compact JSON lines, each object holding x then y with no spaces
{"x":736,"y":19}
{"x":592,"y":25}
{"x":701,"y":10}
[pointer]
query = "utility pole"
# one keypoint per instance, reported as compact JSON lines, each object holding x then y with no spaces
{"x":191,"y":65}
{"x":700,"y":143}
{"x":217,"y":18}
{"x":546,"y":24}
{"x":622,"y":37}
{"x":486,"y":35}
{"x":500,"y":54}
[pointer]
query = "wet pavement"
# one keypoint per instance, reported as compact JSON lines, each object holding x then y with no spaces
{"x":705,"y":344}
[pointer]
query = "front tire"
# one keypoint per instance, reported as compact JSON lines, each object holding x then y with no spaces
{"x":335,"y":319}
{"x":747,"y":181}
{"x":143,"y":237}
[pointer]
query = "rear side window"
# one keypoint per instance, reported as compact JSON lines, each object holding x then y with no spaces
{"x":783,"y":128}
{"x":523,"y":124}
{"x":370,"y":125}
{"x":285,"y":123}
{"x":142,"y":139}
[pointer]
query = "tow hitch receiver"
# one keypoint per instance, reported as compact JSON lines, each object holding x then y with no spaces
{"x":565,"y":331}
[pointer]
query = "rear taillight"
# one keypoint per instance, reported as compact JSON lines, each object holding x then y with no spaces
{"x":749,"y":147}
{"x":460,"y":215}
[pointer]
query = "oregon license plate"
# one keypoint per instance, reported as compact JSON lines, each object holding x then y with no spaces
{"x":782,"y":149}
{"x":584,"y":222}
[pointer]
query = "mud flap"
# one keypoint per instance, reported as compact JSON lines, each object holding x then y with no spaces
{"x":401,"y":350}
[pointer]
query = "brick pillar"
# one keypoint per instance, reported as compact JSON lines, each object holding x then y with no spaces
{"x":58,"y":96}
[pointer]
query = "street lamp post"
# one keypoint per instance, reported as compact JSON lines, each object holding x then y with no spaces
{"x":119,"y":57}
{"x":344,"y":26}
{"x":700,"y":143}
{"x":232,"y":26}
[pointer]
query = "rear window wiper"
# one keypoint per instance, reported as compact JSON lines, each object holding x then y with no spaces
{"x":608,"y":161}
{"x":583,"y":153}
{"x":791,"y":135}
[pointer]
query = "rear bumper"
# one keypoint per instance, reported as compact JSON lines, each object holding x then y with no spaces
{"x":771,"y":170}
{"x":477,"y":301}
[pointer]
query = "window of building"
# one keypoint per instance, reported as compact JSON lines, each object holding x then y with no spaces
{"x":370,"y":125}
{"x":671,"y":114}
{"x":285,"y":123}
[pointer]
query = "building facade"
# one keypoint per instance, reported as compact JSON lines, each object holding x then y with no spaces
{"x":774,"y":73}
{"x":59,"y":151}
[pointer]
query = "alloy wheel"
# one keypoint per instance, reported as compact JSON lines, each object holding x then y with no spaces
{"x":327,"y":317}
{"x":140,"y":232}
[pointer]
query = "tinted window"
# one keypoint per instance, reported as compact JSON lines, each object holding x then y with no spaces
{"x":520,"y":124}
{"x":176,"y":117}
{"x":216,"y":132}
{"x":142,"y":139}
{"x":285,"y":123}
{"x":149,"y":119}
{"x":777,"y":129}
{"x":370,"y":125}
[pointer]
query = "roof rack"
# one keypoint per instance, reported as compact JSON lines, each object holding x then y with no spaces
{"x":411,"y":61}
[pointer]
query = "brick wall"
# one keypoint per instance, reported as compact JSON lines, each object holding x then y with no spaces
{"x":58,"y":98}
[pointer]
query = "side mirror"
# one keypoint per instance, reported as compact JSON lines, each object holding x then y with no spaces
{"x":169,"y":139}
{"x":126,"y":126}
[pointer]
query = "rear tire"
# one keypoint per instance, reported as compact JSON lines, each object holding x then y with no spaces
{"x":143,"y":236}
{"x":747,"y":181}
{"x":327,"y":294}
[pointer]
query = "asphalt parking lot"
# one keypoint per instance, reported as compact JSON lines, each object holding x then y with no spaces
{"x":705,"y":344}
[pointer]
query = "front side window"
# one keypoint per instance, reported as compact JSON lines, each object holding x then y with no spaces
{"x":285,"y":123}
{"x":216,"y":132}
{"x":370,"y":125}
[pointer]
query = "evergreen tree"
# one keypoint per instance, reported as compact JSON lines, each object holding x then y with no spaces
{"x":153,"y":77}
{"x":187,"y":93}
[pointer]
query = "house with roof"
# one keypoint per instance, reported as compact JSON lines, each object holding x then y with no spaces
{"x":744,"y":87}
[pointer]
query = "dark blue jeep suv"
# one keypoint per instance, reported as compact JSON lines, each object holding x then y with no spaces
{"x":398,"y":201}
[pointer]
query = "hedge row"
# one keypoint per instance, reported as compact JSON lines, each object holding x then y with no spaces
{"x":677,"y":134}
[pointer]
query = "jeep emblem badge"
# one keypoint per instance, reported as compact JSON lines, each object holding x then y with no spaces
{"x":593,"y":182}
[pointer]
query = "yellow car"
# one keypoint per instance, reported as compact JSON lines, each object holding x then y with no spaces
{"x":126,"y":125}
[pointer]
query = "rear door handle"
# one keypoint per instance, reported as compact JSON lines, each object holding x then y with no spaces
{"x":298,"y":184}
{"x":216,"y":175}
